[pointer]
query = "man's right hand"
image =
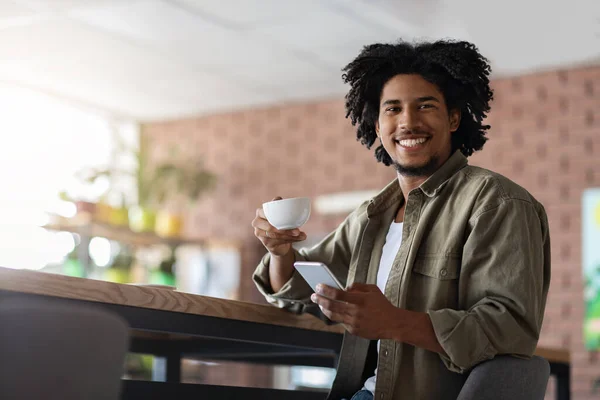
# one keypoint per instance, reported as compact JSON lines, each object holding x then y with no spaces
{"x":278,"y":243}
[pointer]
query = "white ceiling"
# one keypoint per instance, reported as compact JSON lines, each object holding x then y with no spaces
{"x":166,"y":59}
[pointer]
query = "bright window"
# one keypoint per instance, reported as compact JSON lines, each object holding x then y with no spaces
{"x":44,"y":142}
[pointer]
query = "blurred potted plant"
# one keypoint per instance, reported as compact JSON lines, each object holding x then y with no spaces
{"x":165,"y":273}
{"x":72,"y":266}
{"x":176,"y":186}
{"x":166,"y":186}
{"x":120,"y":269}
{"x":140,"y":216}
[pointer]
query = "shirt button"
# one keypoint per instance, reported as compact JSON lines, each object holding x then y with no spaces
{"x":385,"y":353}
{"x":381,"y":396}
{"x":444,"y":272}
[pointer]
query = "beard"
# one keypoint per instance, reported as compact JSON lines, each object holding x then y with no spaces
{"x":423,"y":170}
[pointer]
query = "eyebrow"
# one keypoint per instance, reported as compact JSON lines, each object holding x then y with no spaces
{"x":419,"y":100}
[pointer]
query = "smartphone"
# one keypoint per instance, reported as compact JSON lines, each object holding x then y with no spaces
{"x":315,"y":273}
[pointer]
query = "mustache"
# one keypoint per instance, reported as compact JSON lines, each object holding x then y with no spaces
{"x":404,"y":134}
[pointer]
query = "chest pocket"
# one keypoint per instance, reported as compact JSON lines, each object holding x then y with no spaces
{"x":434,"y":282}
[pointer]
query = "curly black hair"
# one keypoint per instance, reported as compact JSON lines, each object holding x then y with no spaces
{"x":455,"y":67}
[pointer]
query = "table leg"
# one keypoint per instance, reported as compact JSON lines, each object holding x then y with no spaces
{"x":562,"y":372}
{"x":174,"y":367}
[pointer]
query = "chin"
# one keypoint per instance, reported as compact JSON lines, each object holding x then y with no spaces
{"x":417,"y":168}
{"x":413,"y":161}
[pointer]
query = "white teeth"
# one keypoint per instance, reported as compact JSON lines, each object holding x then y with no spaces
{"x":412,"y":142}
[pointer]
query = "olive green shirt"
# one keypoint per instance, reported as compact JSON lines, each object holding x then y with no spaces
{"x":475,"y":256}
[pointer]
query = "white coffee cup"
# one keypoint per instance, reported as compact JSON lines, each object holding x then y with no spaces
{"x":287,"y":213}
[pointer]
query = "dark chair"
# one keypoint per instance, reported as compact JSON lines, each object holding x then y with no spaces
{"x":55,"y":351}
{"x":506,"y":377}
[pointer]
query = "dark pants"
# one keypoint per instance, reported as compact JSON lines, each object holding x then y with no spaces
{"x":362,"y":395}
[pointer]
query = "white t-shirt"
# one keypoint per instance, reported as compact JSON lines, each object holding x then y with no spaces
{"x":393,"y":240}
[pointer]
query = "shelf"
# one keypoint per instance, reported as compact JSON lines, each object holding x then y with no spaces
{"x":86,"y":227}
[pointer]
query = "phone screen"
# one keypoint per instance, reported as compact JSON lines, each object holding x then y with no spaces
{"x":315,"y":273}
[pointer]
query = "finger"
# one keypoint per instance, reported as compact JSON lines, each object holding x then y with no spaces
{"x":264,"y":235}
{"x":328,"y":308}
{"x":274,"y":233}
{"x":363,"y":287}
{"x":344,"y":319}
{"x":335,"y":317}
{"x":263,"y":224}
{"x":335,"y":294}
{"x":260,"y":213}
{"x":277,"y":198}
{"x":259,"y":217}
{"x":276,"y":239}
{"x":285,"y":237}
{"x":328,"y":291}
{"x":333,"y":305}
{"x":285,"y":233}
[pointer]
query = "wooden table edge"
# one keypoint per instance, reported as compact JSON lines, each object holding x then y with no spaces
{"x":54,"y":285}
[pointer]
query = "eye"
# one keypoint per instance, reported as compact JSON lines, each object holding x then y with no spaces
{"x":427,"y":106}
{"x":392,"y":109}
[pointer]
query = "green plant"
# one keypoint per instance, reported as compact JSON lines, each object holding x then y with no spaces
{"x":157,"y":184}
{"x":170,"y":179}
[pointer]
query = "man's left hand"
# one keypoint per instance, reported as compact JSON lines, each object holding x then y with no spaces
{"x":362,"y":309}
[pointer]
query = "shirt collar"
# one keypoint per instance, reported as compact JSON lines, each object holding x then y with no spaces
{"x":391,"y":195}
{"x":435,"y":182}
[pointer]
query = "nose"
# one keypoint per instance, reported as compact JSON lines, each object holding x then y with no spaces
{"x":408,"y":120}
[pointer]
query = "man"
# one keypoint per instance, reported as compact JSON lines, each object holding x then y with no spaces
{"x":449,"y":265}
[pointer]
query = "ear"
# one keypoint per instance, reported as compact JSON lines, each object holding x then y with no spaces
{"x":454,"y":119}
{"x":377,"y":128}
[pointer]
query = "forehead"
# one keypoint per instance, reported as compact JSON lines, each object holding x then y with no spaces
{"x":406,"y":87}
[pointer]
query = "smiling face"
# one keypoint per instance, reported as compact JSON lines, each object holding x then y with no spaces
{"x":414,"y":125}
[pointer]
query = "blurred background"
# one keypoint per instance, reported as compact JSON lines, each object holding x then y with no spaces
{"x":138,"y":137}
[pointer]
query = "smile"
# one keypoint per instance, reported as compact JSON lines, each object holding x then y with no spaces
{"x":409,"y":143}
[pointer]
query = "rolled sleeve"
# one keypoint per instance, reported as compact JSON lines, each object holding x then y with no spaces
{"x":292,"y":296}
{"x":449,"y":327}
{"x":504,"y":281}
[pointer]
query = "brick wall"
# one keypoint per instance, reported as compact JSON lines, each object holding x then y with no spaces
{"x":545,"y":135}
